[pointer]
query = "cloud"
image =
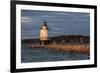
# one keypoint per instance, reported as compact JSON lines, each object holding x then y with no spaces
{"x":25,"y":19}
{"x":62,"y":13}
{"x":55,"y":28}
{"x":45,"y":16}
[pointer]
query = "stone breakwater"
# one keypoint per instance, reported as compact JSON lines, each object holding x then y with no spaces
{"x":77,"y":48}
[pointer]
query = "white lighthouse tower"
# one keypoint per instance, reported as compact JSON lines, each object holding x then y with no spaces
{"x":44,"y":33}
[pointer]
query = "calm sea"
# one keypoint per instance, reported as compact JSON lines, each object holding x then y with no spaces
{"x":29,"y":55}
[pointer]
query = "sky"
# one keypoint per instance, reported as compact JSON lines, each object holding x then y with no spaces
{"x":59,"y":23}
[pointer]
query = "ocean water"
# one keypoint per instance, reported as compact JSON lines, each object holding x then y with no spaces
{"x":29,"y":55}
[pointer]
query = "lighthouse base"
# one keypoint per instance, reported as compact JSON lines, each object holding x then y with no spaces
{"x":44,"y":42}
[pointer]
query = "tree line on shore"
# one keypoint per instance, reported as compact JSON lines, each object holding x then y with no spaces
{"x":61,"y":39}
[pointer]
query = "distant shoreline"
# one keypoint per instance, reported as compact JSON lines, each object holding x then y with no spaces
{"x":59,"y":39}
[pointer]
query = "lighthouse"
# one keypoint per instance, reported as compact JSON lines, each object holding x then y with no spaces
{"x":44,"y":33}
